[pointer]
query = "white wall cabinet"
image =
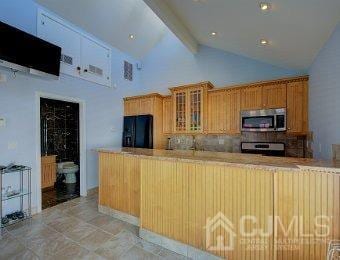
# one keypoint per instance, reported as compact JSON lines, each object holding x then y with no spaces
{"x":95,"y":62}
{"x":82,"y":56}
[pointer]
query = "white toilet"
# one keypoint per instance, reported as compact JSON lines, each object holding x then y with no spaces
{"x":69,"y":169}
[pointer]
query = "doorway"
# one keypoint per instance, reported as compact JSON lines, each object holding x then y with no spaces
{"x":60,"y":154}
{"x":65,"y":186}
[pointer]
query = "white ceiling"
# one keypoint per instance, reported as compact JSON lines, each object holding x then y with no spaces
{"x":112,"y":21}
{"x":296,"y":29}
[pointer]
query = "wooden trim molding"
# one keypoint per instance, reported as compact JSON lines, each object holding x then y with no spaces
{"x":263,"y":83}
{"x":144,"y":96}
{"x":206,"y":84}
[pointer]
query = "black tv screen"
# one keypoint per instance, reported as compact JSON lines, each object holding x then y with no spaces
{"x":23,"y":49}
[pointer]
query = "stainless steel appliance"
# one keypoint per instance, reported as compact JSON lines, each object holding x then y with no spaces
{"x":269,"y":120}
{"x":269,"y":149}
{"x":138,"y":131}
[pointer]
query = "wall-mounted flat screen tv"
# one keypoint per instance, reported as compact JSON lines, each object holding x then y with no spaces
{"x":24,"y":52}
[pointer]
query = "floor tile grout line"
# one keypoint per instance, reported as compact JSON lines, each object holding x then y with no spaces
{"x":136,"y":242}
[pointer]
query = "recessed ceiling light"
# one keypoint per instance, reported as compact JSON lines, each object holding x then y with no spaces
{"x":213,"y":33}
{"x":264,"y":42}
{"x":131,"y":36}
{"x":265,"y":7}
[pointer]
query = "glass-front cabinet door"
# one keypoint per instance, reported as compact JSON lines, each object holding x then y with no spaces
{"x":195,"y":121}
{"x":180,"y":111}
{"x":189,"y":104}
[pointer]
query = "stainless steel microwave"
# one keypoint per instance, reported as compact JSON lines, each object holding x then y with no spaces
{"x":269,"y":120}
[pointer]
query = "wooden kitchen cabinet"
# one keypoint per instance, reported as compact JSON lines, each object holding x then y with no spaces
{"x":233,"y":111}
{"x":251,"y":98}
{"x":143,"y":105}
{"x":167,"y":115}
{"x":217,"y":116}
{"x":190,"y":112}
{"x":146,"y":106}
{"x":197,"y":109}
{"x":151,"y":104}
{"x":131,"y":107}
{"x":264,"y":97}
{"x":48,"y":171}
{"x":180,"y":111}
{"x":274,"y":96}
{"x":297,"y":107}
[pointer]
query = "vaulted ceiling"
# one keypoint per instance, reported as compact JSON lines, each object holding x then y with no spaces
{"x":113,"y":21}
{"x":296,"y":29}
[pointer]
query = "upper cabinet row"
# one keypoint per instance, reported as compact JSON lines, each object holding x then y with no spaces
{"x":82,"y":56}
{"x":225,"y":105}
{"x":198,"y":108}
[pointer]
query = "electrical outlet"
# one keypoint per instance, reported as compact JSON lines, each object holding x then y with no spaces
{"x":2,"y":122}
{"x":178,"y":141}
{"x":3,"y":78}
{"x":12,"y":145}
{"x":221,"y":141}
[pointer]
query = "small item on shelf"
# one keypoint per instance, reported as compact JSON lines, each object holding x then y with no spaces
{"x":19,"y":214}
{"x":4,"y":221}
{"x":10,"y":193}
{"x":11,"y":216}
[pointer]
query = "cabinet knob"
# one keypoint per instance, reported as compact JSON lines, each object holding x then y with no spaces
{"x":85,"y":70}
{"x":78,"y":68}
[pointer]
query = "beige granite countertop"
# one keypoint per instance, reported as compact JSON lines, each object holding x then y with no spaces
{"x":232,"y":159}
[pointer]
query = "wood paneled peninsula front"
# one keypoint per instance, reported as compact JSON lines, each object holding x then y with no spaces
{"x":234,"y":206}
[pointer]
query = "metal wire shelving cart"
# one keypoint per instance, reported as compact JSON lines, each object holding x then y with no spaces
{"x":23,"y":193}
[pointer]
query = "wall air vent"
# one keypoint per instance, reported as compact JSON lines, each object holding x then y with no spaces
{"x":128,"y":71}
{"x":95,"y":70}
{"x":66,"y":59}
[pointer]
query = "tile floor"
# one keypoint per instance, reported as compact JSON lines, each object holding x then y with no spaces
{"x":76,"y":230}
{"x":60,"y":194}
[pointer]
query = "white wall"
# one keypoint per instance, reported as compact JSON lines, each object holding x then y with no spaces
{"x":170,"y":64}
{"x":104,"y":107}
{"x":324,"y":97}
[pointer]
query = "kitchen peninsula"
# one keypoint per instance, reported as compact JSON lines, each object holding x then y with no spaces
{"x":172,"y":196}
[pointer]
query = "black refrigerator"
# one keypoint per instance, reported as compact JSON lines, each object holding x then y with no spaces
{"x":138,"y":131}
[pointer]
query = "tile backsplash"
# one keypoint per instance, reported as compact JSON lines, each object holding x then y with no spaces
{"x":295,"y":145}
{"x":216,"y":143}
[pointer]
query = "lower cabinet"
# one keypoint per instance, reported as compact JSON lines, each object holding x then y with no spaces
{"x":119,"y":183}
{"x":48,"y":171}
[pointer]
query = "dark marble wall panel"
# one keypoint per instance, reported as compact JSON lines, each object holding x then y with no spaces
{"x":60,"y":129}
